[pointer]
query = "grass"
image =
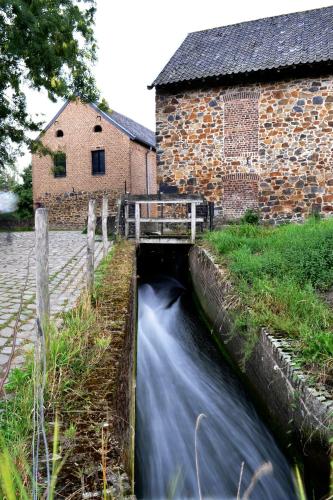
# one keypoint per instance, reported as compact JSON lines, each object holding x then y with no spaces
{"x":76,"y":351}
{"x":282,"y":275}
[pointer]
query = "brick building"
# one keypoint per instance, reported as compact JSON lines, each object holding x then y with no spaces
{"x":244,"y":115}
{"x":96,"y":153}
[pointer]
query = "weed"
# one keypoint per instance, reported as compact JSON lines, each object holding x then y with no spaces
{"x":280,"y":274}
{"x":74,"y":353}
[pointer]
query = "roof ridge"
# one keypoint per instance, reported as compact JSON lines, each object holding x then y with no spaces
{"x":281,"y":41}
{"x":261,"y":19}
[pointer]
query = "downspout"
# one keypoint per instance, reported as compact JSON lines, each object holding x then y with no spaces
{"x":147,"y":178}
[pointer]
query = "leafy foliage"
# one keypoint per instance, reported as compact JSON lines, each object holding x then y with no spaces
{"x":44,"y":45}
{"x":8,"y":179}
{"x":24,"y":192}
{"x":280,"y":274}
{"x":251,"y":217}
{"x":104,"y":106}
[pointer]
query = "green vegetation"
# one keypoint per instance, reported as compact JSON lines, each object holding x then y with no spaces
{"x":77,"y":351}
{"x":22,"y":218}
{"x":24,"y":192}
{"x":282,"y":275}
{"x":44,"y":45}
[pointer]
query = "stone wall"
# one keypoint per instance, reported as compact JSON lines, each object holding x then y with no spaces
{"x":70,"y":210}
{"x":299,"y":413}
{"x":280,"y":131}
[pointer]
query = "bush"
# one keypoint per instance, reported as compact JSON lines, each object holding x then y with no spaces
{"x":25,"y":208}
{"x":251,"y":217}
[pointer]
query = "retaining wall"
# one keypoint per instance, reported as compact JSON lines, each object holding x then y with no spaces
{"x":299,"y":412}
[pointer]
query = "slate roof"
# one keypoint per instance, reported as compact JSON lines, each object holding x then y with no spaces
{"x":273,"y":42}
{"x":133,"y":129}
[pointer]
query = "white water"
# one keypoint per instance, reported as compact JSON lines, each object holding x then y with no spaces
{"x":180,"y":375}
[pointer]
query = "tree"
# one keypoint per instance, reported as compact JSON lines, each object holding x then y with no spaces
{"x":24,"y":193}
{"x":104,"y":106}
{"x":45,"y":44}
{"x":8,"y":178}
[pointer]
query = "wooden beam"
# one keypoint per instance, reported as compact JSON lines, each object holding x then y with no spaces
{"x":105,"y":210}
{"x":127,"y":220}
{"x":137,"y":222}
{"x":157,"y":219}
{"x":42,"y":266}
{"x":161,"y":241}
{"x":166,"y":202}
{"x":193,"y":221}
{"x":91,"y":244}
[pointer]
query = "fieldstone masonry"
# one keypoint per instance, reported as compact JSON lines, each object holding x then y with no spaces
{"x":275,"y":138}
{"x":69,"y":210}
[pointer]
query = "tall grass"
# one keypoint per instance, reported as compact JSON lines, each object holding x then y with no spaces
{"x":74,"y":350}
{"x":282,"y":275}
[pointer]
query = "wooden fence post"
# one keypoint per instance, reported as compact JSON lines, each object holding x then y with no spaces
{"x":193,"y":221}
{"x":91,"y":243}
{"x":137,"y":222}
{"x":42,"y":266}
{"x":126,"y":220}
{"x":105,"y":225}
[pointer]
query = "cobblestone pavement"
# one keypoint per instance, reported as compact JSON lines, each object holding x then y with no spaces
{"x":67,"y":253}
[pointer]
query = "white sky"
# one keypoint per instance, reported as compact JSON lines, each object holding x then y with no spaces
{"x":136,"y":38}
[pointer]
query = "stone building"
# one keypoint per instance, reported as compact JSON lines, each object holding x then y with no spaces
{"x":95,"y":153}
{"x":244,"y":115}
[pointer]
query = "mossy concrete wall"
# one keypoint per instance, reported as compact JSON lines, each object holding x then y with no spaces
{"x":298,"y":411}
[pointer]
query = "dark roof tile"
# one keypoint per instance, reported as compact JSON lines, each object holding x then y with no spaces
{"x":280,"y":41}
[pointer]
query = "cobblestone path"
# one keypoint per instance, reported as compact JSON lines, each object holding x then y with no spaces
{"x":17,"y":267}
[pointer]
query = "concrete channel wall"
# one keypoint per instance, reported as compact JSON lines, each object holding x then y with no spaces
{"x":294,"y":408}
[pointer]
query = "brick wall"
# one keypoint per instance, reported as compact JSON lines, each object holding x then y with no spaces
{"x":282,"y":388}
{"x":239,"y":191}
{"x":139,"y":169}
{"x":241,"y":121}
{"x":284,"y":135}
{"x":67,"y":197}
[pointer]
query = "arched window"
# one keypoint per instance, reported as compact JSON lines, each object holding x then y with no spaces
{"x":59,"y":133}
{"x":97,"y":128}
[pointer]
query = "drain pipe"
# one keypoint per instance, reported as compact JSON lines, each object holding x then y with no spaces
{"x":147,"y":178}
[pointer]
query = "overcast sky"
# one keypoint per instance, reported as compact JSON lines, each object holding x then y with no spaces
{"x":136,"y":38}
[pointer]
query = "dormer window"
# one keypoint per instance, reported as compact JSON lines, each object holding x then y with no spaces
{"x":97,"y":128}
{"x":59,"y":133}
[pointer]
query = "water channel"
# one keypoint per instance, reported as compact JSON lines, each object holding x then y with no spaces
{"x":183,"y":382}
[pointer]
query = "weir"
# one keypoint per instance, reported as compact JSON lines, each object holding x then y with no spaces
{"x":198,"y":434}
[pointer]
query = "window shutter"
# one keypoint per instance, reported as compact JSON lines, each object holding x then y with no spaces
{"x":102,"y":162}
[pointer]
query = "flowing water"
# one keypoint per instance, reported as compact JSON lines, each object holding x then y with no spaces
{"x":180,"y":375}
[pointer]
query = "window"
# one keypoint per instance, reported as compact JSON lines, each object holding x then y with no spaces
{"x":59,"y":162}
{"x":98,"y":162}
{"x":59,"y":133}
{"x":97,"y":128}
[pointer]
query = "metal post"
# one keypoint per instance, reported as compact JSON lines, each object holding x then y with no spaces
{"x":193,"y":221}
{"x":105,"y":224}
{"x":137,"y":222}
{"x":211,"y":215}
{"x":42,"y":266}
{"x":91,"y":244}
{"x":126,"y":220}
